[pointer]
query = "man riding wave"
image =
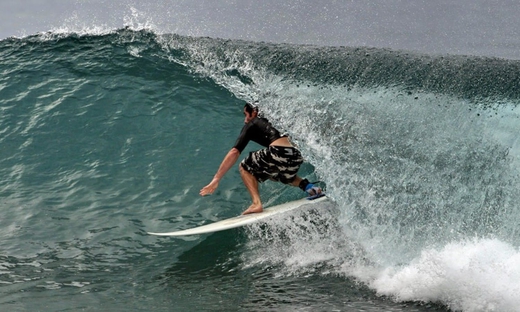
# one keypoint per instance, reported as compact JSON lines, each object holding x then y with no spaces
{"x":279,"y":161}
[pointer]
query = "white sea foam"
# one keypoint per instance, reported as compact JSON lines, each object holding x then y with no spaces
{"x":477,"y":275}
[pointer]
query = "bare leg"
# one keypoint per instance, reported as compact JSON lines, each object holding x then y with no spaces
{"x":252,"y":186}
{"x":296,"y":181}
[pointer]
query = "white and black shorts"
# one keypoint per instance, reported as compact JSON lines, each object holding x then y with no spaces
{"x":278,"y":163}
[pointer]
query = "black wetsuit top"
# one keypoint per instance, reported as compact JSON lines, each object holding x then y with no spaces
{"x":258,"y":130}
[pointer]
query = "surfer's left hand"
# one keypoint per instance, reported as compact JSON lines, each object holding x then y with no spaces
{"x":210,"y":188}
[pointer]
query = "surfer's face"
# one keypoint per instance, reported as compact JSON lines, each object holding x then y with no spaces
{"x":249,"y":116}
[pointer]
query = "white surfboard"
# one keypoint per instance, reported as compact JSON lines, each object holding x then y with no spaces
{"x":244,"y":219}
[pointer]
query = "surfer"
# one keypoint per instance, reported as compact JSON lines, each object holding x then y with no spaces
{"x":278,"y":161}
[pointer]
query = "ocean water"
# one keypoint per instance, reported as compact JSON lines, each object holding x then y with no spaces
{"x":109,"y":134}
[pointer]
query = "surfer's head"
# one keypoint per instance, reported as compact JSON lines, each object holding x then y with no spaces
{"x":250,"y":111}
{"x":251,"y":107}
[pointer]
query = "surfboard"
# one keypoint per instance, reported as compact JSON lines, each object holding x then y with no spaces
{"x":245,"y":219}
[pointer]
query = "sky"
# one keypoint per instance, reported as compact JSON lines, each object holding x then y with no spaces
{"x":473,"y":27}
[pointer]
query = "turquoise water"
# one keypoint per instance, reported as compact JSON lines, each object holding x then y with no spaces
{"x":107,"y":136}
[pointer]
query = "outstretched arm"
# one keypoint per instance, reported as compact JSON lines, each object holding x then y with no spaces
{"x":227,"y":163}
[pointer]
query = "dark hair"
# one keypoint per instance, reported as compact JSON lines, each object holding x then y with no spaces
{"x":250,"y":108}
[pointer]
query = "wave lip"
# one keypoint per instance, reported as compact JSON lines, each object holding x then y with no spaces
{"x":483,"y":80}
{"x":480,"y":79}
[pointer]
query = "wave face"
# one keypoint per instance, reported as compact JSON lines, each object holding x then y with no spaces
{"x":108,"y":136}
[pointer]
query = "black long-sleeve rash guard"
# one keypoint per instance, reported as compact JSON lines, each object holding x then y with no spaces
{"x":258,"y":130}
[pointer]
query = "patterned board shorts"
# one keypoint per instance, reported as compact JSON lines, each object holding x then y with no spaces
{"x":277,"y":163}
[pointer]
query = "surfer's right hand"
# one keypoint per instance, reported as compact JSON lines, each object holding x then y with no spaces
{"x":210,"y":188}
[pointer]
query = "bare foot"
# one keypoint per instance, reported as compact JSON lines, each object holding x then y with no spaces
{"x":315,"y":190}
{"x":254,"y":208}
